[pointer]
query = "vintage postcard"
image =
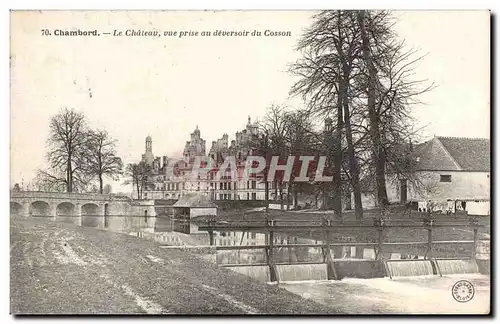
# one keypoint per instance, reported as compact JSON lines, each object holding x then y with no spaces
{"x":250,"y":162}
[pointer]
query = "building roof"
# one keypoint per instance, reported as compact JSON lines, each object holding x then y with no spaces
{"x":193,"y":200}
{"x":453,"y":154}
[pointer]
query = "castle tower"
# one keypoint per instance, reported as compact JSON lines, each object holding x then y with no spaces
{"x":148,"y":156}
{"x":149,"y":144}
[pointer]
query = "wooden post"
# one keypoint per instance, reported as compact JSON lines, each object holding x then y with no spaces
{"x":266,"y":239}
{"x":330,"y":268}
{"x":428,"y":253}
{"x":380,"y":224}
{"x":211,"y":234}
{"x":271,"y":249}
{"x":474,"y":221}
{"x":380,"y":241}
{"x":211,"y":225}
{"x":272,"y":268}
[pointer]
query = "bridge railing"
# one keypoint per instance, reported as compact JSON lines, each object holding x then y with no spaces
{"x":65,"y":195}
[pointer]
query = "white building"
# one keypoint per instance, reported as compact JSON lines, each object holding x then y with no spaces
{"x":446,"y":168}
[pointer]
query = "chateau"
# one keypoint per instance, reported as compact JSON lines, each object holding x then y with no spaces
{"x":172,"y":178}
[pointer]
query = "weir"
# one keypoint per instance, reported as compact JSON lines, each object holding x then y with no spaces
{"x":259,"y":273}
{"x":301,"y":272}
{"x":457,"y":266}
{"x":409,"y":268}
{"x":279,"y":255}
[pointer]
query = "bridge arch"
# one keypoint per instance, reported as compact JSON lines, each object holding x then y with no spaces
{"x":39,"y":209}
{"x":90,"y":215}
{"x":66,"y":212}
{"x":16,"y":209}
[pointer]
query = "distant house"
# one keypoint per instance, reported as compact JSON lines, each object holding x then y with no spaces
{"x":446,"y":168}
{"x":189,"y":206}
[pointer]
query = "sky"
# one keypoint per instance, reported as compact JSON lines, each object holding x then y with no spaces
{"x":166,"y":86}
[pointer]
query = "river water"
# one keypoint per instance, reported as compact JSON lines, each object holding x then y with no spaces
{"x":403,"y":295}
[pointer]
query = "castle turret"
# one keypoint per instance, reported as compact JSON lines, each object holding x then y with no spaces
{"x":148,"y":156}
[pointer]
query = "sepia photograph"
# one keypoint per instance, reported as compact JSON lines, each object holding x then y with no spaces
{"x":250,"y":162}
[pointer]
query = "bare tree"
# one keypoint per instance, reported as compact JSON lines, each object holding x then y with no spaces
{"x":326,"y":69}
{"x":388,"y":68}
{"x":45,"y":181}
{"x":302,"y":140}
{"x":66,"y":152}
{"x":137,"y":174}
{"x":273,"y":142}
{"x":101,"y":157}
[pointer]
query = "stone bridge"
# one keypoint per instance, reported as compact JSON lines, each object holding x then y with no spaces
{"x":103,"y":211}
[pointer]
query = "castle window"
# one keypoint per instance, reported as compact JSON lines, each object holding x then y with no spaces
{"x":445,"y":178}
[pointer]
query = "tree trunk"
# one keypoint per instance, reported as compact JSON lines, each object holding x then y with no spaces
{"x":100,"y":183}
{"x":281,"y":196}
{"x":353,"y":163}
{"x":266,"y":193}
{"x":337,"y":162}
{"x":378,"y":150}
{"x":380,"y":177}
{"x":288,"y":196}
{"x":295,"y":196}
{"x":69,"y":175}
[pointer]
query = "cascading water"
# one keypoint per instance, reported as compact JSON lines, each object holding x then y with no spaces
{"x":457,"y":266}
{"x":410,"y":268}
{"x":300,"y":272}
{"x":259,"y":273}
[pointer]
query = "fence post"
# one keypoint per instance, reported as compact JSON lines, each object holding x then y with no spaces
{"x":272,"y":268}
{"x":380,"y":228}
{"x":330,"y":267}
{"x":428,"y":223}
{"x":474,"y":248}
{"x":211,"y":224}
{"x":266,"y":238}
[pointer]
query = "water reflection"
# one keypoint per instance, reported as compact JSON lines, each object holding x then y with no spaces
{"x":281,"y":254}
